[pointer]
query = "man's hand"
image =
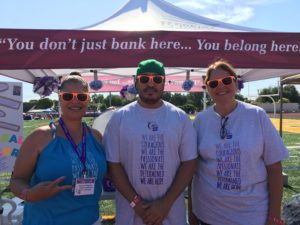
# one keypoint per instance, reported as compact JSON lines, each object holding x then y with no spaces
{"x":156,"y":212}
{"x":193,"y":220}
{"x":139,"y":209}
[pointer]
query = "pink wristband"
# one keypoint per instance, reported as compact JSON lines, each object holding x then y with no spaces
{"x":275,"y":220}
{"x":135,"y":201}
{"x":24,"y":193}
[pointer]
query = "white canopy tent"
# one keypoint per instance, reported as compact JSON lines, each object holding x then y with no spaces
{"x":147,"y":15}
{"x":155,"y":15}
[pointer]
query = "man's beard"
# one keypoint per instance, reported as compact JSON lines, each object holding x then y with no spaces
{"x":150,"y":101}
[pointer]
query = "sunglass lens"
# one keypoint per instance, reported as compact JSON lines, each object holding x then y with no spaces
{"x":227,"y":80}
{"x":82,"y":97}
{"x":144,"y":79}
{"x":67,"y":96}
{"x":157,"y":79}
{"x":213,"y":83}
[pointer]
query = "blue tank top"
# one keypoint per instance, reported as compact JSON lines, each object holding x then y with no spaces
{"x":59,"y":159}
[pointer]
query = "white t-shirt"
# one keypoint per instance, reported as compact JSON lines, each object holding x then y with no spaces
{"x":150,"y":144}
{"x":230,"y":186}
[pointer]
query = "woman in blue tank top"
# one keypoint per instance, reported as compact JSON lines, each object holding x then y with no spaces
{"x":60,"y":167}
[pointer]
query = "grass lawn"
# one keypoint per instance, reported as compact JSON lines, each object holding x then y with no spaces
{"x":30,"y":125}
{"x":291,"y":166}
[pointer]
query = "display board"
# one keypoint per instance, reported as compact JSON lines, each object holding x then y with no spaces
{"x":11,"y":124}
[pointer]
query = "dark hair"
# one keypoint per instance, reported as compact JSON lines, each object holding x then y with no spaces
{"x":76,"y":78}
{"x":222,"y":64}
{"x":75,"y":73}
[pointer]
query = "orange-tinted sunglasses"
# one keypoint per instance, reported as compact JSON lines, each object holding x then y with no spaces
{"x":158,"y":79}
{"x":68,"y":96}
{"x":225,"y":80}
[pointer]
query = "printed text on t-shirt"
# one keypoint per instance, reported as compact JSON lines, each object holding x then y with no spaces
{"x":152,"y":159}
{"x":228,"y":169}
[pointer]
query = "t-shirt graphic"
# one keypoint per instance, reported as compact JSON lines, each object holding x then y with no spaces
{"x":228,"y":169}
{"x":152,"y":157}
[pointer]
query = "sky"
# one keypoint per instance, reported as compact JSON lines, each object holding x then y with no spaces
{"x":275,"y":15}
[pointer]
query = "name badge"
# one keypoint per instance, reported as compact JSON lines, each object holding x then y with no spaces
{"x":84,"y":186}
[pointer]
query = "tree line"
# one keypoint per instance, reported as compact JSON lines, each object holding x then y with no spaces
{"x":189,"y":102}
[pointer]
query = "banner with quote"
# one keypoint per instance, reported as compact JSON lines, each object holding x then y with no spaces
{"x":11,"y":123}
{"x":48,"y":49}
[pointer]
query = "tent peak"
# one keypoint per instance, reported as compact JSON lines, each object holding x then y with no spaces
{"x":145,"y":15}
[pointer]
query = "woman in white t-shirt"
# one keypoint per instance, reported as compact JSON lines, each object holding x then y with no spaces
{"x":239,"y":176}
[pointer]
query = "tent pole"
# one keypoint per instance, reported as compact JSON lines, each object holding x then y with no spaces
{"x":204,"y":99}
{"x":281,"y":106}
{"x":109,"y":99}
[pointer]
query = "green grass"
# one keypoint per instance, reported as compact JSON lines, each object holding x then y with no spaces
{"x":107,"y":208}
{"x":30,"y":125}
{"x":291,"y":139}
{"x":291,"y":166}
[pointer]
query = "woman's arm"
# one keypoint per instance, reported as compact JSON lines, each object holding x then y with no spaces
{"x":24,"y":168}
{"x":193,"y":220}
{"x":97,"y":135}
{"x":25,"y":163}
{"x":275,"y":187}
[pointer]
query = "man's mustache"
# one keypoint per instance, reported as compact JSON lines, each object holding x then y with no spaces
{"x":150,"y":89}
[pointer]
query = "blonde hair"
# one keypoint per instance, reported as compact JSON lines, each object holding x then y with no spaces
{"x":222,"y":64}
{"x":76,"y":78}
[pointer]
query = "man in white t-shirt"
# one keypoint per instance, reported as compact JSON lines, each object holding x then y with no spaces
{"x":151,"y":149}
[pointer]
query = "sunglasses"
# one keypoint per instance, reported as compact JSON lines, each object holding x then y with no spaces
{"x":223,"y":130}
{"x":225,"y":80}
{"x":68,"y":96}
{"x":158,"y":79}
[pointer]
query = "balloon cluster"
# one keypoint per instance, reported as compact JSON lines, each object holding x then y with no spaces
{"x":44,"y":86}
{"x":96,"y":85}
{"x":187,"y":85}
{"x":240,"y":83}
{"x":128,"y":92}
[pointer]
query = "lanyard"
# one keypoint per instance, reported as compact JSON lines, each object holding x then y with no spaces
{"x":81,"y":157}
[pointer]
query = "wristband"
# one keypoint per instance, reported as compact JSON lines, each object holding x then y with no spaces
{"x":275,"y":220}
{"x":24,"y":193}
{"x":136,"y":199}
